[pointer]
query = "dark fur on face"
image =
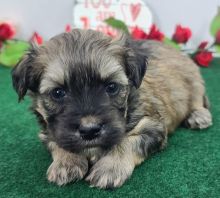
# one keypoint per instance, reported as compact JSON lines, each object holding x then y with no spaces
{"x":83,"y":68}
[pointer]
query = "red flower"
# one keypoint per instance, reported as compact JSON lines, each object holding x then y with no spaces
{"x":110,"y":34}
{"x":217,"y":37}
{"x":155,"y":34}
{"x":203,"y":45}
{"x":182,"y":34}
{"x":138,"y":34}
{"x":6,"y":31}
{"x":37,"y":38}
{"x":203,"y":58}
{"x":68,"y":28}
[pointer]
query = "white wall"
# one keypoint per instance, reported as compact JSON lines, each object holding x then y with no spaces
{"x":196,"y":14}
{"x":49,"y":17}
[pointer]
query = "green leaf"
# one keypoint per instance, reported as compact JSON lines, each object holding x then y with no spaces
{"x":217,"y":48}
{"x":117,"y":24}
{"x":171,"y":43}
{"x":215,"y":24}
{"x":12,"y":51}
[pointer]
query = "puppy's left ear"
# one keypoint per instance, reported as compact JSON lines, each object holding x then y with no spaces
{"x":24,"y":75}
{"x":135,"y":59}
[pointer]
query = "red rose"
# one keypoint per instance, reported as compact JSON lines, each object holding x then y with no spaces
{"x":138,"y":34}
{"x":182,"y":34}
{"x":155,"y":34}
{"x":109,"y":33}
{"x":68,"y":28}
{"x":37,"y":38}
{"x":217,"y":37}
{"x":203,"y":58}
{"x":6,"y":31}
{"x":203,"y":45}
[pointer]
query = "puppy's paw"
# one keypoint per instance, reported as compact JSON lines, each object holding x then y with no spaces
{"x":110,"y":173}
{"x":62,"y":174}
{"x":199,"y":119}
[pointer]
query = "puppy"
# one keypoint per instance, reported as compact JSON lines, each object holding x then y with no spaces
{"x":100,"y":111}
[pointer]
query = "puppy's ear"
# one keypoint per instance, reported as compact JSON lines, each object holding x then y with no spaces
{"x":24,"y":75}
{"x":135,"y":59}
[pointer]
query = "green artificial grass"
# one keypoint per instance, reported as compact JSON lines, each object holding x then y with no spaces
{"x":188,"y":167}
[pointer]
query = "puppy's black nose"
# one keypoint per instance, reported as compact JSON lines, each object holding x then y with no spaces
{"x":90,"y":131}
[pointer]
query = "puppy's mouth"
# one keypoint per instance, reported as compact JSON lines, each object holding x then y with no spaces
{"x":76,"y":142}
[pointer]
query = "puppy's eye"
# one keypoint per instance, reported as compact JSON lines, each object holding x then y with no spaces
{"x":58,"y":93}
{"x":112,"y":89}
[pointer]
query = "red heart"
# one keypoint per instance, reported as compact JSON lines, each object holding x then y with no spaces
{"x":135,"y":10}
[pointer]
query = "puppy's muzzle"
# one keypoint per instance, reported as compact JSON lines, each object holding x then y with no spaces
{"x":90,"y":128}
{"x":90,"y":131}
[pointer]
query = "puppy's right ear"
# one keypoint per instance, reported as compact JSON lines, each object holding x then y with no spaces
{"x":23,"y":75}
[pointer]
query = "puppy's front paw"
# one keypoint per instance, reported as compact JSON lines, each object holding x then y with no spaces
{"x":61,"y":173}
{"x":109,"y":172}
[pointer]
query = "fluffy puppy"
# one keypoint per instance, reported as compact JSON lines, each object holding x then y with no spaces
{"x":101,"y":113}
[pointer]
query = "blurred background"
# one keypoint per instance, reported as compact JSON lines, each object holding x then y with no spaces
{"x":49,"y":17}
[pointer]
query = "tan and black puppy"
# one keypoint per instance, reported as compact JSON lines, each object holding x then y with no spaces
{"x":101,"y":113}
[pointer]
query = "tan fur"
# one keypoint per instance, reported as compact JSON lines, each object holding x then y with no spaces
{"x":172,"y":86}
{"x":66,"y":166}
{"x":89,"y":120}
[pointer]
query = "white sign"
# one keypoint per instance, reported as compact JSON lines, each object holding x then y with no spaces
{"x":90,"y":14}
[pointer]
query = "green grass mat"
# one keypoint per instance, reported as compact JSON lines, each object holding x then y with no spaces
{"x":188,"y":167}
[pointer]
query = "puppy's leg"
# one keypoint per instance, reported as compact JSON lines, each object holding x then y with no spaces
{"x":66,"y":166}
{"x":113,"y":169}
{"x":200,"y":117}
